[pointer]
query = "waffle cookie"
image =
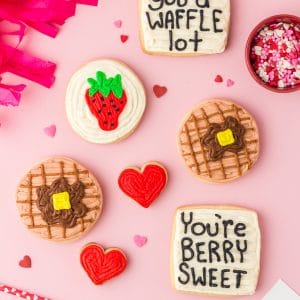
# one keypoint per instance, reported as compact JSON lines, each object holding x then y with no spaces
{"x":105,"y":101}
{"x":59,"y":199}
{"x":219,"y":141}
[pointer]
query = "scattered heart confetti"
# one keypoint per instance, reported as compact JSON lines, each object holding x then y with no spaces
{"x":124,"y":38}
{"x":118,"y":23}
{"x":25,"y":262}
{"x":159,"y":91}
{"x":50,"y":130}
{"x":219,"y":79}
{"x":139,"y":240}
{"x":229,"y":83}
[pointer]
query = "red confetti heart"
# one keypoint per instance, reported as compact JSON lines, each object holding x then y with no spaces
{"x":25,"y":262}
{"x":219,"y":79}
{"x":124,"y":38}
{"x":145,"y":185}
{"x":159,"y":91}
{"x":102,"y":265}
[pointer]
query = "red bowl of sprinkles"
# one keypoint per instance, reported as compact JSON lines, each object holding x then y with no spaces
{"x":273,"y":53}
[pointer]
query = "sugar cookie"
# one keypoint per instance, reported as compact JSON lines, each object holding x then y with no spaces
{"x":102,"y":265}
{"x":144,"y":185}
{"x":59,"y":199}
{"x":105,"y":101}
{"x":184,"y":27}
{"x":215,"y":250}
{"x":219,"y":141}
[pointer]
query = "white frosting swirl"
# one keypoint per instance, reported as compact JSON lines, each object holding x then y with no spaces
{"x":79,"y":115}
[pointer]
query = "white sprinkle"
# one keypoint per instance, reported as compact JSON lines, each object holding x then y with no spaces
{"x":257,"y":50}
{"x":279,"y":32}
{"x":297,"y":74}
{"x":281,"y":84}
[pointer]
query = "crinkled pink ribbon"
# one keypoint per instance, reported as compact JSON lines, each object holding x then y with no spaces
{"x":43,"y":15}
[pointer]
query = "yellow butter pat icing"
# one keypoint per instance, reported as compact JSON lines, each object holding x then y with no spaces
{"x":61,"y":201}
{"x":225,"y":137}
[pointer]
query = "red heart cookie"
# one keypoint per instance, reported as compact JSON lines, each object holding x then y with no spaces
{"x":144,"y":185}
{"x":159,"y":91}
{"x":25,"y":262}
{"x":102,"y":265}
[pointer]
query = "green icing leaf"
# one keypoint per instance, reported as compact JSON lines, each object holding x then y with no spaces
{"x":117,"y":86}
{"x":105,"y":85}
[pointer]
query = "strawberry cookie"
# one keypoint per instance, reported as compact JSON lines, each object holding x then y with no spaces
{"x":219,"y":141}
{"x":59,"y":199}
{"x":105,"y":101}
{"x":144,"y":185}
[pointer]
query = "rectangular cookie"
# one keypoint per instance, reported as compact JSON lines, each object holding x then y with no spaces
{"x":184,"y":27}
{"x":215,"y":250}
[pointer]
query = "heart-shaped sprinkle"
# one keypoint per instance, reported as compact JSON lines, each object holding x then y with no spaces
{"x":219,"y":79}
{"x":139,"y":240}
{"x":229,"y":83}
{"x":25,"y":262}
{"x":50,"y":130}
{"x":159,"y":91}
{"x":124,"y":38}
{"x":118,"y":23}
{"x":145,"y":185}
{"x":102,"y":265}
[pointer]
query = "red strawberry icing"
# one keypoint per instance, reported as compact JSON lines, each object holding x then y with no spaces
{"x":106,"y":100}
{"x":102,"y":265}
{"x":143,"y":186}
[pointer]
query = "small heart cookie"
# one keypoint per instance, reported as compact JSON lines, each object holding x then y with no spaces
{"x":102,"y":265}
{"x":143,"y":185}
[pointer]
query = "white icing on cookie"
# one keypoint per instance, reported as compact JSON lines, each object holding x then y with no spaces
{"x":200,"y":264}
{"x":79,"y":114}
{"x":207,"y":20}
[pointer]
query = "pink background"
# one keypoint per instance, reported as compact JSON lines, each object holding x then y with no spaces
{"x":271,"y":188}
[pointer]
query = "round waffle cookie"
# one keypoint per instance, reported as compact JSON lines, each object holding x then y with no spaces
{"x":59,"y":199}
{"x":219,"y":141}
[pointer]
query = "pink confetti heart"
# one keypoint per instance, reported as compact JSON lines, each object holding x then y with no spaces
{"x":50,"y":130}
{"x":230,"y":83}
{"x":118,"y":23}
{"x":139,"y":240}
